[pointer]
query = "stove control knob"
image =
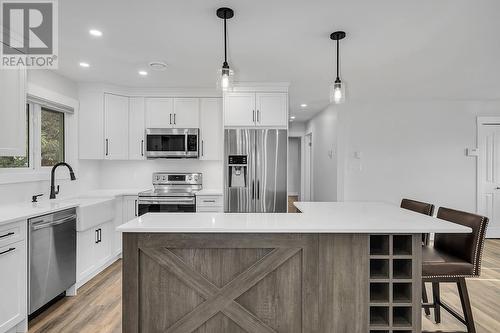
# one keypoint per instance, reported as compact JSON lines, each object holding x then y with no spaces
{"x":164,"y":178}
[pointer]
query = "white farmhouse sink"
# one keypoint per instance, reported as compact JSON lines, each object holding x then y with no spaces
{"x":94,"y":211}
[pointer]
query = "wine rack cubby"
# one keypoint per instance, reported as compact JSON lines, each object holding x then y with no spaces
{"x":395,"y":283}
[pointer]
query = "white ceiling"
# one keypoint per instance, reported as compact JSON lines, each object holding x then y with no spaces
{"x":394,"y":49}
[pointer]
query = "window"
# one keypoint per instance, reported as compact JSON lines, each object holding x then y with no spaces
{"x":52,"y":137}
{"x":19,"y":161}
{"x":45,"y":141}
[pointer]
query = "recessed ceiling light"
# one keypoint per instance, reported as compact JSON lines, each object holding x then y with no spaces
{"x":95,"y":32}
{"x":157,"y":65}
{"x":303,"y":105}
{"x":84,"y":64}
{"x":292,"y":117}
{"x":143,"y":73}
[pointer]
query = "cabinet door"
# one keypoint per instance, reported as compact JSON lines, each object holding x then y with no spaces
{"x":117,"y":241}
{"x":159,"y":112}
{"x":105,"y":237}
{"x":13,"y":112}
{"x":85,"y":263}
{"x":272,"y":109}
{"x":136,"y":129}
{"x":211,"y":129}
{"x":116,"y":127}
{"x":91,"y":120}
{"x":129,"y":208}
{"x":239,"y":109}
{"x":186,"y":112}
{"x":12,"y":285}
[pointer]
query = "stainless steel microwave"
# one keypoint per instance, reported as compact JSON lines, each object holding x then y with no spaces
{"x":172,"y":142}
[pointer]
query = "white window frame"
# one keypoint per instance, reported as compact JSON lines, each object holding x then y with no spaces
{"x":35,"y":172}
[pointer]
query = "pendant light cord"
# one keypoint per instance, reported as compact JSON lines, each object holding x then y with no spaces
{"x":337,"y":58}
{"x":225,"y":41}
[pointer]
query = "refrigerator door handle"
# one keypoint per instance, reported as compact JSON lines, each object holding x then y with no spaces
{"x":253,"y":190}
{"x":258,"y":190}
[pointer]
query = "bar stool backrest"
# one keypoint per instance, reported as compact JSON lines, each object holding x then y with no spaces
{"x":468,"y":247}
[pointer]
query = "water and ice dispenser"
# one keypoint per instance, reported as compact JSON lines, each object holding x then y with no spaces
{"x":237,"y":173}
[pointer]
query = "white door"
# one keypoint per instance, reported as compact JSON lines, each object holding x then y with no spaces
{"x":211,"y":129}
{"x":13,"y":112}
{"x":116,"y":127}
{"x":489,"y":175}
{"x":136,"y":129}
{"x":103,"y":246}
{"x":159,"y":112}
{"x":239,"y":109}
{"x":12,"y":284}
{"x":186,"y":112}
{"x":272,"y":109}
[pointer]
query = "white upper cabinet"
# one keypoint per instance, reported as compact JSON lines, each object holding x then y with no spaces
{"x":266,"y":109}
{"x":91,"y":125}
{"x":159,"y":112}
{"x":13,"y":112}
{"x":136,"y":128}
{"x":186,"y":112}
{"x":272,"y":109}
{"x":239,"y":109}
{"x":211,"y":129}
{"x":116,"y":110}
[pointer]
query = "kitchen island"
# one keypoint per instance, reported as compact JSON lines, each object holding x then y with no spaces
{"x":336,"y":267}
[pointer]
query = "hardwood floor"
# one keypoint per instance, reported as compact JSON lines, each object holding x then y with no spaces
{"x":97,"y":308}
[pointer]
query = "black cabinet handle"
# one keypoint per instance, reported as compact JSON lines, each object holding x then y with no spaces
{"x":258,"y":119}
{"x":170,"y":121}
{"x":142,"y":147}
{"x":100,"y":235}
{"x":7,"y":251}
{"x":7,"y":235}
{"x":135,"y":207}
{"x":174,"y":119}
{"x":97,"y":236}
{"x":107,"y":147}
{"x":202,"y":148}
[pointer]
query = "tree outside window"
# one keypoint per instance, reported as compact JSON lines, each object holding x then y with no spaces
{"x":52,"y":137}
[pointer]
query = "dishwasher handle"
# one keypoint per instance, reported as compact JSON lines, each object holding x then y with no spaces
{"x":54,"y":223}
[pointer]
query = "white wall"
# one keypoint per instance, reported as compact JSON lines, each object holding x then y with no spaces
{"x":412,"y":149}
{"x":324,"y":155}
{"x":132,"y":174}
{"x":294,"y":163}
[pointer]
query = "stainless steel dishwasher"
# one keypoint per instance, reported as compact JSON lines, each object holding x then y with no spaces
{"x":52,"y":256}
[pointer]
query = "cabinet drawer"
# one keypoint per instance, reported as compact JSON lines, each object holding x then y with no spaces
{"x":210,"y":209}
{"x":209,"y":200}
{"x":12,"y":232}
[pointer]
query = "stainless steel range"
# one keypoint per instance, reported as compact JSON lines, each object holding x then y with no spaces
{"x":173,"y":192}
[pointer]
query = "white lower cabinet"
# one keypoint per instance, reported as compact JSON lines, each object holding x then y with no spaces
{"x":94,"y":250}
{"x":117,"y":243}
{"x":13,"y":279}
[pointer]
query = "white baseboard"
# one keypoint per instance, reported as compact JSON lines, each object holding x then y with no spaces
{"x":493,"y":232}
{"x":97,"y":270}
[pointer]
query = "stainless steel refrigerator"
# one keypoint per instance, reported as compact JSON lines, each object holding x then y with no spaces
{"x":255,"y":170}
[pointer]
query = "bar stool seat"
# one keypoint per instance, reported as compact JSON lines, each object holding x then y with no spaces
{"x":438,"y":263}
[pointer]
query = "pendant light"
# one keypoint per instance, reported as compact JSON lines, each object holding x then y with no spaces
{"x":226,"y":74}
{"x":337,"y":89}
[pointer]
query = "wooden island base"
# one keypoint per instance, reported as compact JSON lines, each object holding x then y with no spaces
{"x":232,"y":283}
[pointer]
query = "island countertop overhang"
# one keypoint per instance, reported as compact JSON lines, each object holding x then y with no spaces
{"x":316,"y":217}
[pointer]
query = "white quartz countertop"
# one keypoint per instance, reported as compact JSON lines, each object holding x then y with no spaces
{"x":209,"y":192}
{"x":332,"y":217}
{"x":25,"y":210}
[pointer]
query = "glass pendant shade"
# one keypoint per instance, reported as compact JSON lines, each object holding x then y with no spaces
{"x":337,"y":92}
{"x":225,"y":78}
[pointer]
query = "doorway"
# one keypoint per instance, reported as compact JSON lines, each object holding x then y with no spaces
{"x":294,"y":172}
{"x":307,"y":186}
{"x":488,"y":172}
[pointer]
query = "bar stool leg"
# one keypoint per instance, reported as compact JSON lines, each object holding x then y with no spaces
{"x":425,"y":299}
{"x":464,"y":299}
{"x":437,"y":302}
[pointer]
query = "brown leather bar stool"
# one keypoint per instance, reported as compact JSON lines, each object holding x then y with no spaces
{"x":453,"y":258}
{"x":426,"y":209}
{"x":419,"y":207}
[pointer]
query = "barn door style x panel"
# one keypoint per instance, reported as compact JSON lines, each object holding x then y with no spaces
{"x":214,"y":283}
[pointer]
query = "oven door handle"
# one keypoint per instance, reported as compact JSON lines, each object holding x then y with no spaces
{"x":168,"y":202}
